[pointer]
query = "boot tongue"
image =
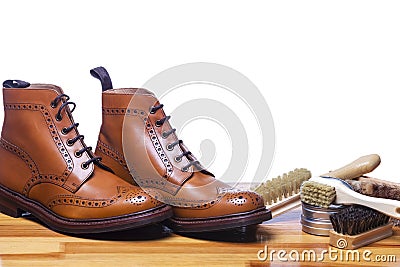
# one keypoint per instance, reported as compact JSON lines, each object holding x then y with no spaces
{"x":199,"y":167}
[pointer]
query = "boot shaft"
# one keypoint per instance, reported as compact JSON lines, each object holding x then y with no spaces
{"x":118,"y":103}
{"x":128,"y":122}
{"x":34,"y":135}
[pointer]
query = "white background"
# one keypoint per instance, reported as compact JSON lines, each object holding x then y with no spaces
{"x":328,"y":70}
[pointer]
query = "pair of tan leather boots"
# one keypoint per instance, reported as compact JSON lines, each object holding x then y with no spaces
{"x":140,"y":173}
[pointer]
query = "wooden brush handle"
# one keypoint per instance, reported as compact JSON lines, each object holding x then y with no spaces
{"x":357,"y":168}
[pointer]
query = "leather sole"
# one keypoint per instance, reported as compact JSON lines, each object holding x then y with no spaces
{"x":191,"y":225}
{"x":14,"y":204}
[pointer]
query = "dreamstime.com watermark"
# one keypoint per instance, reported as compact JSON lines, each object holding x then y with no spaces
{"x":331,"y":254}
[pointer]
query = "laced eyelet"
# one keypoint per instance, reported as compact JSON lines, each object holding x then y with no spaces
{"x":184,"y":169}
{"x":84,"y":166}
{"x":65,"y":106}
{"x":170,"y":147}
{"x":164,"y":135}
{"x":158,"y":123}
{"x":178,"y":159}
{"x":152,"y":110}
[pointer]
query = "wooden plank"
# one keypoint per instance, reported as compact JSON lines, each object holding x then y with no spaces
{"x":24,"y":242}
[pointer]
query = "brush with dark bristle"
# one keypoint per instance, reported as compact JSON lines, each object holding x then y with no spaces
{"x":283,"y":192}
{"x":357,"y":226}
{"x":375,"y":187}
{"x":323,"y":191}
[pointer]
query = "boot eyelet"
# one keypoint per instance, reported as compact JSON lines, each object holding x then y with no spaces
{"x":158,"y":124}
{"x":164,"y":135}
{"x":64,"y":131}
{"x":69,"y":142}
{"x":170,"y":147}
{"x":77,"y":154}
{"x":184,"y":169}
{"x":84,"y":166}
{"x":178,"y":159}
{"x":58,"y":117}
{"x":52,"y":104}
{"x":152,"y":110}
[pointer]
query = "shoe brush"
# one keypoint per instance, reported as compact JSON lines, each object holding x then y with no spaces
{"x":352,"y":170}
{"x":323,"y":191}
{"x":315,"y":220}
{"x":355,"y":169}
{"x":374,"y":187}
{"x":283,"y":192}
{"x":358,"y":226}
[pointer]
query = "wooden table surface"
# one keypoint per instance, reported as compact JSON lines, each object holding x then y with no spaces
{"x":24,"y":242}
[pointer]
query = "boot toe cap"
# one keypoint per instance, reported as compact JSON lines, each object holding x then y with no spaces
{"x":137,"y":199}
{"x":231,"y":202}
{"x":128,"y":201}
{"x":242,"y":201}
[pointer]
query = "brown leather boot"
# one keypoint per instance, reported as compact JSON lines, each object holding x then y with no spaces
{"x":47,"y":170}
{"x":138,"y":143}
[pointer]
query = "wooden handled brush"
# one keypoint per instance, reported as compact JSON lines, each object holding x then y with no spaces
{"x":283,"y":192}
{"x":357,"y":168}
{"x":358,"y":226}
{"x":323,"y":191}
{"x":374,"y":187}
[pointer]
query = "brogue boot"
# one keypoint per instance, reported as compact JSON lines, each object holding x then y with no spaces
{"x":47,"y":170}
{"x":137,"y":141}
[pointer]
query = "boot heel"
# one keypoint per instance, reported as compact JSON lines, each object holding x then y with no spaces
{"x":9,"y":208}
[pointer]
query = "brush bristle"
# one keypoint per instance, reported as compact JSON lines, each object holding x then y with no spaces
{"x":355,"y":220}
{"x":284,"y":186}
{"x":317,"y":194}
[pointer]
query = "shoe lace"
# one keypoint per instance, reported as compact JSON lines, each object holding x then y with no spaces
{"x":171,"y":146}
{"x":66,"y":103}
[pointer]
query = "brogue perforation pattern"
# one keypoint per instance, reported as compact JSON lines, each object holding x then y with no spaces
{"x":194,"y":204}
{"x":135,"y":198}
{"x":72,"y":200}
{"x":148,"y":182}
{"x":150,"y":130}
{"x":123,"y":111}
{"x":56,"y":139}
{"x":157,"y":146}
{"x":241,"y":198}
{"x":36,"y":177}
{"x":107,"y":150}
